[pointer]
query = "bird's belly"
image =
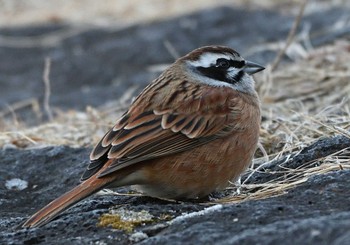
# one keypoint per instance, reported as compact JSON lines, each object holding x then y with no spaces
{"x":197,"y":173}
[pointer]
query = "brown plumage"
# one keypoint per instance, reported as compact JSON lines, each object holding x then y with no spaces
{"x":188,"y":133}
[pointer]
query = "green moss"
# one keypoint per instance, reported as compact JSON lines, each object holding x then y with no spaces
{"x":115,"y":221}
{"x":127,"y":220}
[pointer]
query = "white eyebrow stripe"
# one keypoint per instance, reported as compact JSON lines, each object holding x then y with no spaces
{"x":208,"y":59}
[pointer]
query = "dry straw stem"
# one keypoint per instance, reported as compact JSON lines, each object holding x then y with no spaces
{"x":46,"y":79}
{"x":290,"y":37}
{"x":291,"y":177}
{"x":301,"y":103}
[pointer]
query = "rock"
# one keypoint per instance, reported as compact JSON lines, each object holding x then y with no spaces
{"x":316,"y":212}
{"x":310,"y":154}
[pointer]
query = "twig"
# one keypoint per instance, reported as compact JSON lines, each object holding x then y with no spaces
{"x":171,"y":49}
{"x":28,"y":138}
{"x":33,"y":102}
{"x":46,"y":40}
{"x":14,"y":116}
{"x":46,"y":80}
{"x":290,"y":37}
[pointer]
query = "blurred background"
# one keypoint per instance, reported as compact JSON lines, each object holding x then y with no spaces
{"x":123,"y":12}
{"x":77,"y":64}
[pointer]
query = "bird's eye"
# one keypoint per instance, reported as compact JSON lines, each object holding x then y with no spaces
{"x":223,"y":63}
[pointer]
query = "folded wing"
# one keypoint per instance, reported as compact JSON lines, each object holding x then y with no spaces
{"x":152,"y":130}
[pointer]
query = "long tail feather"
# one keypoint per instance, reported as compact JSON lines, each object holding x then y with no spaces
{"x":54,"y":208}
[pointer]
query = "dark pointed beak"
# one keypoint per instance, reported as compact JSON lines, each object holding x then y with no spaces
{"x":251,"y":67}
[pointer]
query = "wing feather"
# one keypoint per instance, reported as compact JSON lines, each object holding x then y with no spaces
{"x":152,"y":129}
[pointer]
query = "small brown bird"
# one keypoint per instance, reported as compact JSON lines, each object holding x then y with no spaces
{"x":187,"y":134}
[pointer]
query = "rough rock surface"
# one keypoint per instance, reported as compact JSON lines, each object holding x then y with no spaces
{"x":88,"y":62}
{"x":316,"y":212}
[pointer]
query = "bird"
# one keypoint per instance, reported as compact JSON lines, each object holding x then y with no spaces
{"x":189,"y":133}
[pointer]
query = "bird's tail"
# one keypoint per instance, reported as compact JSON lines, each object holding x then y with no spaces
{"x":54,"y":208}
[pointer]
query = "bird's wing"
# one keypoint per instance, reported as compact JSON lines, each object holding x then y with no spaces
{"x":159,"y":126}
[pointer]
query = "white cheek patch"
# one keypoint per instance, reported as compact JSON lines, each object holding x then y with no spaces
{"x":208,"y":59}
{"x":232,"y":71}
{"x":207,"y":80}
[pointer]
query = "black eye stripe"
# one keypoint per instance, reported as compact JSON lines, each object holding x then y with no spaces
{"x":237,"y":64}
{"x":224,"y":63}
{"x":219,"y":70}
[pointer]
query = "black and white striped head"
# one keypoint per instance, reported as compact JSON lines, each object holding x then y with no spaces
{"x":221,"y":66}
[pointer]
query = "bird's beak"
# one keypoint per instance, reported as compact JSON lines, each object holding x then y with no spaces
{"x":251,"y":67}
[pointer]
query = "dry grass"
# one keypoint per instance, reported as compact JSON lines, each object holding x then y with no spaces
{"x":306,"y":100}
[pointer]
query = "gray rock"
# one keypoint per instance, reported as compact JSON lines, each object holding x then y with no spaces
{"x":316,"y":212}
